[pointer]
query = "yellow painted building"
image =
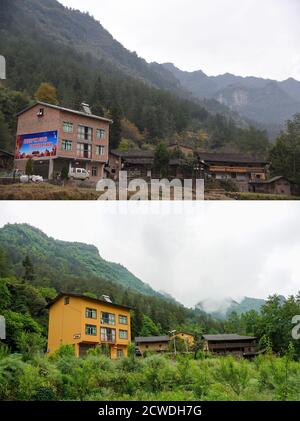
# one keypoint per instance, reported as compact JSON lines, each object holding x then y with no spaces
{"x":187,"y":337}
{"x":87,"y":322}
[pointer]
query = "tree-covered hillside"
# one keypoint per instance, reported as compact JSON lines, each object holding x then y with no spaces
{"x":45,"y":42}
{"x":53,"y":259}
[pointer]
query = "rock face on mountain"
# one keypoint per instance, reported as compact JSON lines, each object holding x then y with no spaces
{"x":265,"y":101}
{"x":265,"y":104}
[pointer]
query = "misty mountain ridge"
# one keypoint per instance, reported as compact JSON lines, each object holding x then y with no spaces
{"x":261,"y":102}
{"x":223,"y":307}
{"x":265,"y":101}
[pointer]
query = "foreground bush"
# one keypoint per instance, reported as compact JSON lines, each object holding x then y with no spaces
{"x":96,"y":377}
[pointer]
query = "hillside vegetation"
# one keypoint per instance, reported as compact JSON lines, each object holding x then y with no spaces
{"x":45,"y":42}
{"x":96,"y":377}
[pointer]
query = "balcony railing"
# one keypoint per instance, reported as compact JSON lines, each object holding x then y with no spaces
{"x":237,"y":169}
{"x":108,"y":340}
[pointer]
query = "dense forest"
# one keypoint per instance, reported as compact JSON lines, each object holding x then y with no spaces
{"x":144,"y":109}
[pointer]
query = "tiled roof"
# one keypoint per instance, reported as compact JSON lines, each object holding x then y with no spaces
{"x":227,"y":337}
{"x":85,"y":297}
{"x":153,"y":339}
{"x":68,"y":110}
{"x":270,"y":181}
{"x":133,"y":154}
{"x":230,"y":157}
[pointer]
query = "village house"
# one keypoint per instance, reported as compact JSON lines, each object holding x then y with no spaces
{"x":139,"y":164}
{"x":55,"y":137}
{"x":162,"y":343}
{"x":240,"y":346}
{"x":182,"y":149}
{"x":235,"y":167}
{"x":275,"y":185}
{"x":86,"y":323}
{"x":6,"y":160}
{"x":188,"y":338}
{"x":152,"y":344}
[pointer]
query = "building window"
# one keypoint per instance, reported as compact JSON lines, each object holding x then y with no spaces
{"x":94,"y":171}
{"x":85,"y":133}
{"x":40,"y":112}
{"x":123,"y":320}
{"x":91,"y":313}
{"x":67,"y":127}
{"x":84,"y":150}
{"x":120,"y":353}
{"x":100,"y":150}
{"x":100,"y":133}
{"x":66,"y":145}
{"x":108,"y":319}
{"x":67,"y":301}
{"x":123,"y":334}
{"x":107,"y":335}
{"x":91,"y":330}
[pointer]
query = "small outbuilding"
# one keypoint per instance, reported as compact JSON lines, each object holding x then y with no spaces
{"x":275,"y":185}
{"x":237,"y":345}
{"x":151,"y":343}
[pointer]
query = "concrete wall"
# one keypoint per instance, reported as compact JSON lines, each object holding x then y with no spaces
{"x":67,"y":325}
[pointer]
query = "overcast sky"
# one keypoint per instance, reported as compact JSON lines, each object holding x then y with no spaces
{"x":215,"y":250}
{"x":246,"y":37}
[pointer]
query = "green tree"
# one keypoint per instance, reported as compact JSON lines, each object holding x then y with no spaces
{"x":46,"y":93}
{"x":233,"y":373}
{"x":4,"y":263}
{"x":149,"y":327}
{"x":124,"y":145}
{"x":77,"y":94}
{"x":162,"y":159}
{"x":285,"y":155}
{"x":29,"y":167}
{"x":116,"y":128}
{"x":29,"y":270}
{"x":98,"y":97}
{"x":5,"y":139}
{"x":65,"y":172}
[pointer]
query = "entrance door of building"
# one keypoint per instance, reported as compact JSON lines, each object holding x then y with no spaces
{"x":83,"y":349}
{"x":41,"y":168}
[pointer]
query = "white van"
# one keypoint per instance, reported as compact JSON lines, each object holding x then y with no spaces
{"x":79,"y":174}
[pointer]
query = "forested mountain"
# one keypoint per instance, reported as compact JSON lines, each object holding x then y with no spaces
{"x":264,"y":101}
{"x":55,"y":259}
{"x":46,"y":42}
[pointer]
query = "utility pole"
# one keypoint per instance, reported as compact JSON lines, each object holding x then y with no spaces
{"x":172,"y":332}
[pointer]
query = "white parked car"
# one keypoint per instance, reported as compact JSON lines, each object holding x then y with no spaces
{"x":31,"y":179}
{"x":79,"y":174}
